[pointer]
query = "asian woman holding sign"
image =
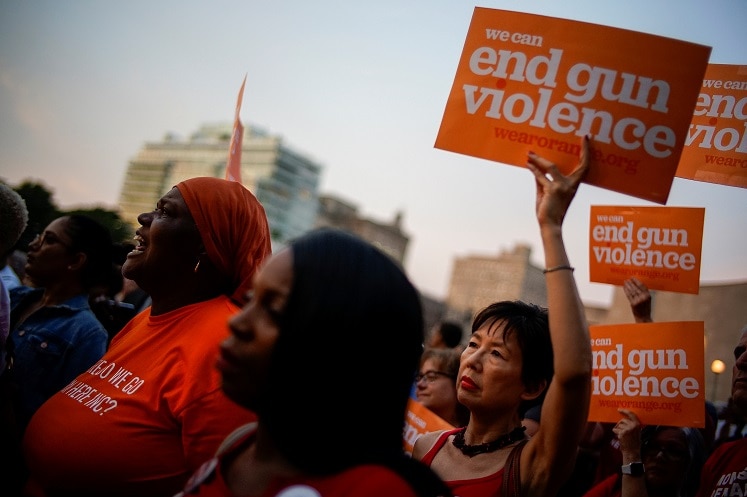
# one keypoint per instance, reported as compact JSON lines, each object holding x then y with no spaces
{"x":518,"y":355}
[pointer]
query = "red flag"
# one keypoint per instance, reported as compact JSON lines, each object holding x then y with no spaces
{"x":233,"y":165}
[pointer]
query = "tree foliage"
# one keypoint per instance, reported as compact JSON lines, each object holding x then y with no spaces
{"x":119,"y":230}
{"x":43,"y":210}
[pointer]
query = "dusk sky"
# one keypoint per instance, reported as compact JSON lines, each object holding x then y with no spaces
{"x":358,"y":86}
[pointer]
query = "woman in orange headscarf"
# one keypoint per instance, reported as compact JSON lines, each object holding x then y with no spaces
{"x":144,"y":417}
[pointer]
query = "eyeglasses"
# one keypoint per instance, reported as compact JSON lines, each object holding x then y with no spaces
{"x":431,"y":376}
{"x":672,"y":454}
{"x":48,"y":238}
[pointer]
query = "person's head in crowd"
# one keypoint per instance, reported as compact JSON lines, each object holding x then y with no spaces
{"x":727,"y":460}
{"x":195,"y":256}
{"x":526,"y":325}
{"x":657,"y":460}
{"x":113,"y":285}
{"x":323,"y":314}
{"x":739,"y":375}
{"x":531,"y":420}
{"x":49,"y":348}
{"x":436,"y":385}
{"x":113,"y":314}
{"x":517,"y":356}
{"x":711,"y":422}
{"x":72,"y":250}
{"x":17,"y":262}
{"x":446,"y":334}
{"x":205,"y":238}
{"x":672,"y":457}
{"x":13,"y":219}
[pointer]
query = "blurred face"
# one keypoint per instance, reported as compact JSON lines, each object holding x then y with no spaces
{"x":168,"y":244}
{"x":666,"y":458}
{"x":739,"y":375}
{"x":436,"y":340}
{"x":490,"y":371}
{"x":436,"y":389}
{"x":50,"y":257}
{"x":245,"y":355}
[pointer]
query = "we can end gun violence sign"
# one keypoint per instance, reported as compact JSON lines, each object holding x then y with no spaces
{"x":533,"y":83}
{"x":661,"y":246}
{"x":716,"y":146}
{"x":655,"y":370}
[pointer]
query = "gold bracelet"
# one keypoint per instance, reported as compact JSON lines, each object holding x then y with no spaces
{"x":558,"y":268}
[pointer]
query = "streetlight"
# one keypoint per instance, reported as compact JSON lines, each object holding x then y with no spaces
{"x":717,"y":367}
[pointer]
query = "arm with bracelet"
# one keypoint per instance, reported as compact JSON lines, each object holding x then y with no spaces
{"x":550,"y":455}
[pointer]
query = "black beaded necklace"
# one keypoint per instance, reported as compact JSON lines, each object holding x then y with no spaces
{"x":472,"y":450}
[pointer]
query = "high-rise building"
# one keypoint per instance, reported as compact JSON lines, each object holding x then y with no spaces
{"x":479,"y":280}
{"x":284,"y":180}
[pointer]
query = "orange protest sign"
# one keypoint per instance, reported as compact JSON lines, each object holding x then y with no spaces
{"x":716,"y":146}
{"x":653,"y":369}
{"x":420,"y":420}
{"x":661,"y":246}
{"x":534,"y":83}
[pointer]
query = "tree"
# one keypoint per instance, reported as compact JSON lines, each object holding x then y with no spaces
{"x":43,"y":210}
{"x":41,"y":207}
{"x":119,"y":230}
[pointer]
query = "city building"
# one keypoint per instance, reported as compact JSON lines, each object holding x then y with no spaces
{"x":388,"y":237}
{"x":479,"y":280}
{"x":284,"y":180}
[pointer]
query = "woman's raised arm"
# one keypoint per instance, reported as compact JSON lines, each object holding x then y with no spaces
{"x":550,"y":455}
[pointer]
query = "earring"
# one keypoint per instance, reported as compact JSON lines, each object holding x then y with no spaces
{"x":197,"y":266}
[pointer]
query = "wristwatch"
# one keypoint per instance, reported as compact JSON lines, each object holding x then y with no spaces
{"x":633,"y":469}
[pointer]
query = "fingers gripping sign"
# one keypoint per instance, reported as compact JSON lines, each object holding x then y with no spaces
{"x":628,"y":431}
{"x":554,"y":190}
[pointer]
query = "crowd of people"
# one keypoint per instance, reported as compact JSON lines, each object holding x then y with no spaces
{"x":238,"y":372}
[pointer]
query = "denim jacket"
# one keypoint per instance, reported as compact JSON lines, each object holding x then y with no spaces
{"x":51,"y":347}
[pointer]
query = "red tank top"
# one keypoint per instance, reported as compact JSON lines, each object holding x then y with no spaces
{"x":485,"y":486}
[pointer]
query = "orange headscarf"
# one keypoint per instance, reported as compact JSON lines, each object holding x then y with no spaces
{"x":233,"y":227}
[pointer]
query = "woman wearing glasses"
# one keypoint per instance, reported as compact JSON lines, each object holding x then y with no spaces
{"x":435,"y":385}
{"x":517,"y":355}
{"x":54,"y":335}
{"x":658,"y":461}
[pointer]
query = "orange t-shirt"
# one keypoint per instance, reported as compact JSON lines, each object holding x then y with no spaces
{"x":146,"y":416}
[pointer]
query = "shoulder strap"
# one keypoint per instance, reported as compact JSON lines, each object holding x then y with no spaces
{"x":428,"y":457}
{"x":511,"y":486}
{"x":234,"y":436}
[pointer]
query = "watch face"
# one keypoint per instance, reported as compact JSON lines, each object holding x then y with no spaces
{"x":633,"y":469}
